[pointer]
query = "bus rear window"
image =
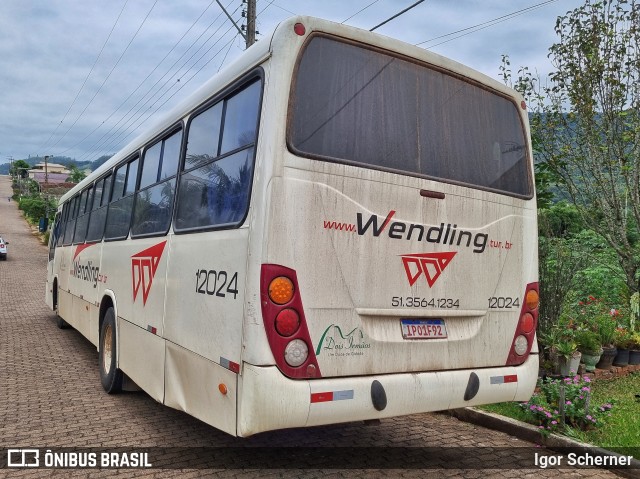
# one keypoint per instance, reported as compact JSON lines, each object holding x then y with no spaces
{"x":359,"y":106}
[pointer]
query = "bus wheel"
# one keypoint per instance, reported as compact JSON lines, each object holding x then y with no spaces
{"x":110,"y":376}
{"x":62,"y":324}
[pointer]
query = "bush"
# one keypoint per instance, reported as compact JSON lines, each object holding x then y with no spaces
{"x":565,"y":403}
{"x":588,"y":341}
{"x":35,"y":207}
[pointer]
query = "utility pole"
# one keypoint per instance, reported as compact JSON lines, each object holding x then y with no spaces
{"x":46,"y":192}
{"x":251,"y":22}
{"x":248,"y":31}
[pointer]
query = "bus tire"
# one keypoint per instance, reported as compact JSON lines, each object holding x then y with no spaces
{"x":61,"y":323}
{"x":110,"y":375}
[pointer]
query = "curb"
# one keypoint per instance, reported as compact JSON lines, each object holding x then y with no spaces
{"x":530,"y":433}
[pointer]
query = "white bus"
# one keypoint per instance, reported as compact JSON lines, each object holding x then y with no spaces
{"x":339,"y":226}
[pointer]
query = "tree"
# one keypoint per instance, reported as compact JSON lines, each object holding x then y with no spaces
{"x":19,"y":168}
{"x":588,"y":122}
{"x":76,"y":175}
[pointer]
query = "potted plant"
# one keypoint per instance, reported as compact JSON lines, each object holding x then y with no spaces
{"x":590,"y":347}
{"x":549,"y":341}
{"x":568,"y":356}
{"x":622,"y":341}
{"x":634,"y":353}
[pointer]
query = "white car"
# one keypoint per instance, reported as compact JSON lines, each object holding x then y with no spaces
{"x":3,"y":249}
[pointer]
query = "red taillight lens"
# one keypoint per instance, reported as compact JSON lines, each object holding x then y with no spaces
{"x":527,"y":323}
{"x":287,"y":322}
{"x":526,"y":329}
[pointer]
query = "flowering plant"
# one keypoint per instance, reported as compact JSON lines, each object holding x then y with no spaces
{"x":588,"y":341}
{"x":597,"y":317}
{"x":623,"y":339}
{"x":565,"y":402}
{"x":607,"y":329}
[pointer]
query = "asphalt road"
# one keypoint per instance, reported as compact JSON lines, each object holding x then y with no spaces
{"x":51,"y":397}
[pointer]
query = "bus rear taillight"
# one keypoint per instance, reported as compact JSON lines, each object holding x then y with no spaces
{"x":526,"y":329}
{"x":281,"y":290}
{"x":285,"y":323}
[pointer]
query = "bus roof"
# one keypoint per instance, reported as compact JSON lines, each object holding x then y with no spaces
{"x":259,"y":52}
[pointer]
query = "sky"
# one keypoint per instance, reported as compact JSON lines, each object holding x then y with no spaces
{"x":82,"y":78}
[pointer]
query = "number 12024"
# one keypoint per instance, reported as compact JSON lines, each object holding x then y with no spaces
{"x":216,"y":283}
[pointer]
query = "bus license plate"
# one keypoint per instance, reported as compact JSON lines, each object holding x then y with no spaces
{"x":423,"y":328}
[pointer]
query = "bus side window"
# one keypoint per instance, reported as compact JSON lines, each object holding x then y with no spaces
{"x":119,"y":211}
{"x":154,"y":199}
{"x":63,"y":223}
{"x":99,"y":211}
{"x":216,"y":181}
{"x":240,"y":118}
{"x":55,"y":231}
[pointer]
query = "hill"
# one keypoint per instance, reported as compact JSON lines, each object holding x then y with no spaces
{"x":61,"y":160}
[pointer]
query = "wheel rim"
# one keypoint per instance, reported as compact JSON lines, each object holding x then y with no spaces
{"x":107,"y":349}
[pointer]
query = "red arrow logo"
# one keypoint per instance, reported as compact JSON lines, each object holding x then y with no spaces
{"x":430,"y":264}
{"x":143,"y":268}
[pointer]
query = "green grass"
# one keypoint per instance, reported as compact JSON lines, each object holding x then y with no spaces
{"x":621,"y":428}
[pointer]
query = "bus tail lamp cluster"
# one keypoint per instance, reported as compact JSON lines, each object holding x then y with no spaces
{"x":285,"y":323}
{"x":526,"y":329}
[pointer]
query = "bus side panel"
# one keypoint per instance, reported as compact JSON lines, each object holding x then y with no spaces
{"x":135,"y":271}
{"x":145,"y":365}
{"x":65,"y":306}
{"x":63,"y":264}
{"x":193,"y":385}
{"x":269,"y":401}
{"x":82,"y":317}
{"x":205,"y":293}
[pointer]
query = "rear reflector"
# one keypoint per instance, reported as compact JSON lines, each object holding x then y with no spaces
{"x":230,"y":365}
{"x":332,"y":396}
{"x":512,"y":378}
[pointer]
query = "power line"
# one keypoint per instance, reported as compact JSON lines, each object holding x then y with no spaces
{"x":183,"y":85}
{"x":487,"y":24}
{"x":109,"y":74}
{"x":359,"y":11}
{"x":142,"y":82}
{"x":397,"y":15}
{"x":284,"y":9}
{"x":129,"y":114}
{"x":158,"y":96}
{"x":114,"y":138}
{"x":87,"y":77}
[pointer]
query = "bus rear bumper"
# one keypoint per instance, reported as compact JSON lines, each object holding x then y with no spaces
{"x":269,"y":400}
